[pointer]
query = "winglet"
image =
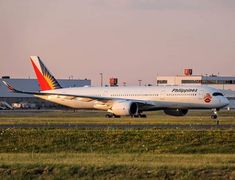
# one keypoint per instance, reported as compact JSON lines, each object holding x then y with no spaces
{"x":11,"y":88}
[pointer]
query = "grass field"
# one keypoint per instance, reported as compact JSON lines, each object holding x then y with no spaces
{"x":128,"y":166}
{"x":117,"y":141}
{"x":116,"y":153}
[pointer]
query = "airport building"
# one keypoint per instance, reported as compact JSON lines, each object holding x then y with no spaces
{"x":32,"y":85}
{"x":225,"y":83}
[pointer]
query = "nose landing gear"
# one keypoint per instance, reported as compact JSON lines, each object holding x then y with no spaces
{"x":214,"y":116}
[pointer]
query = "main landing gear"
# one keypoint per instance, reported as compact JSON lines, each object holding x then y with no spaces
{"x":133,"y":116}
{"x":112,"y":116}
{"x":139,"y":116}
{"x":214,"y":116}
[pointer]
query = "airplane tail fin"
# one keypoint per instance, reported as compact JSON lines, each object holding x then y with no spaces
{"x":45,"y":79}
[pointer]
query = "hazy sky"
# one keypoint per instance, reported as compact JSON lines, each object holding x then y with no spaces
{"x":128,"y":39}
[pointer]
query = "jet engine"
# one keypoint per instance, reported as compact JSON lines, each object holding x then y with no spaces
{"x":124,"y":108}
{"x":176,"y":112}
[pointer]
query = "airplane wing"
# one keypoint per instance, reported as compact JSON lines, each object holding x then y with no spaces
{"x":84,"y":98}
{"x":68,"y":96}
{"x":12,"y":89}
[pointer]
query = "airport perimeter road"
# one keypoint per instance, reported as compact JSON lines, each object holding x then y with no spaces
{"x":118,"y":126}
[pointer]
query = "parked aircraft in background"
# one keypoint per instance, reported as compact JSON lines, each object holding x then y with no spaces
{"x":127,"y":101}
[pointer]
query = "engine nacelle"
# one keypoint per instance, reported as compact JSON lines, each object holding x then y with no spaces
{"x":124,"y":108}
{"x":176,"y":112}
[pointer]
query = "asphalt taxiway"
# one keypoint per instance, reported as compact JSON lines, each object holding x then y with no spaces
{"x":120,"y":126}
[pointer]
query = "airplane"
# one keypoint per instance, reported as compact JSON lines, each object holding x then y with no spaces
{"x":126,"y":101}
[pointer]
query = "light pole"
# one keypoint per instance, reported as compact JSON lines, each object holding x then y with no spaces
{"x":101,"y":79}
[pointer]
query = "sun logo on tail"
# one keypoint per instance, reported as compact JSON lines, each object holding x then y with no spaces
{"x":52,"y":82}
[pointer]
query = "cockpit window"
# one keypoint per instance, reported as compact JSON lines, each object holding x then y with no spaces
{"x":217,"y":94}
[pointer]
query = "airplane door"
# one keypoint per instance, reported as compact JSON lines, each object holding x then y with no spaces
{"x":105,"y":93}
{"x":162,"y":94}
{"x":201,"y":93}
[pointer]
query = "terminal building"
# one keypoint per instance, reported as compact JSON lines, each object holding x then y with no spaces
{"x":32,"y":85}
{"x":226,"y":84}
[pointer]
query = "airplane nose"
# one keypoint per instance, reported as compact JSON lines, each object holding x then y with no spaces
{"x":225,"y":101}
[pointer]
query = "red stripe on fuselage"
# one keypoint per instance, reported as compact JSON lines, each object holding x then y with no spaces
{"x":42,"y":81}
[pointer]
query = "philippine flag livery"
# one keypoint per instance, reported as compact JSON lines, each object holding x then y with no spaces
{"x":45,"y":79}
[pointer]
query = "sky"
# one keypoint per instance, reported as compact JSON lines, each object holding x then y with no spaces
{"x":128,"y":39}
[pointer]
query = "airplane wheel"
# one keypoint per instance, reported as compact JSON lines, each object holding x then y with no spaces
{"x":143,"y":115}
{"x":108,"y":116}
{"x":214,"y":116}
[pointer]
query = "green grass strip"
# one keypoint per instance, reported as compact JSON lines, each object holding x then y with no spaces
{"x":117,"y":141}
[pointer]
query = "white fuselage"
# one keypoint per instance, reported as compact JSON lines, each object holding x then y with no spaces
{"x":159,"y":97}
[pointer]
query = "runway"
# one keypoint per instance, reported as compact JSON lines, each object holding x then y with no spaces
{"x":119,"y":126}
